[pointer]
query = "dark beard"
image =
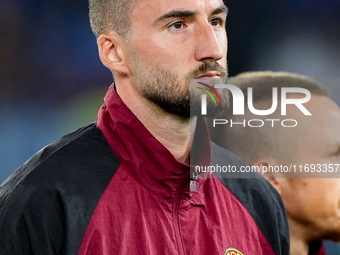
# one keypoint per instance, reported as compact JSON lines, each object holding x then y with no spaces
{"x":163,"y":89}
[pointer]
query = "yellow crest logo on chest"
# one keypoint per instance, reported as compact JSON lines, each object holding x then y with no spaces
{"x":233,"y":251}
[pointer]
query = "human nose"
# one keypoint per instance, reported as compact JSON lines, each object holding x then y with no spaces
{"x":210,"y":44}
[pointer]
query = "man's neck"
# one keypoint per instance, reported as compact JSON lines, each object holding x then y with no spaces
{"x":171,"y":130}
{"x":299,"y":242}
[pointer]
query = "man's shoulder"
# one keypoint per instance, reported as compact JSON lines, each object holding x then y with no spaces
{"x":72,"y":161}
{"x":235,"y":178}
{"x":223,"y":156}
{"x":56,"y":191}
{"x":257,"y":195}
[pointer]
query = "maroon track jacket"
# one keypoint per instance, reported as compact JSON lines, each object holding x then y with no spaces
{"x":112,"y":188}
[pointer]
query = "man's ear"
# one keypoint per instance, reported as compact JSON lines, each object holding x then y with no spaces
{"x":112,"y":52}
{"x":265,"y":165}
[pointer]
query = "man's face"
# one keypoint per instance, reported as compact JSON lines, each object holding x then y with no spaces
{"x":173,"y":42}
{"x":315,"y":202}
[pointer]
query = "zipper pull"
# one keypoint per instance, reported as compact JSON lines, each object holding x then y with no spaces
{"x":194,"y":184}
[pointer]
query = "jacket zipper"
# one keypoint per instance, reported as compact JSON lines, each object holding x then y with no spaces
{"x":177,"y":203}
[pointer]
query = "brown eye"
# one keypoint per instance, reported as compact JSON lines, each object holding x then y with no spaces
{"x":216,"y":22}
{"x":178,"y":25}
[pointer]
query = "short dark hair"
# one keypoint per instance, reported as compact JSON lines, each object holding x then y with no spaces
{"x":249,"y":143}
{"x":111,"y":15}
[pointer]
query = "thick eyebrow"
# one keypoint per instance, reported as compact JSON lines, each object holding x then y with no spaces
{"x":185,"y":13}
{"x":175,"y":14}
{"x":220,"y":9}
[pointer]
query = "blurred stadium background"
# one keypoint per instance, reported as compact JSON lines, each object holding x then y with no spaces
{"x":51,"y":79}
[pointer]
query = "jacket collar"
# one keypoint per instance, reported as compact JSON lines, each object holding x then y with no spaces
{"x":140,"y":152}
